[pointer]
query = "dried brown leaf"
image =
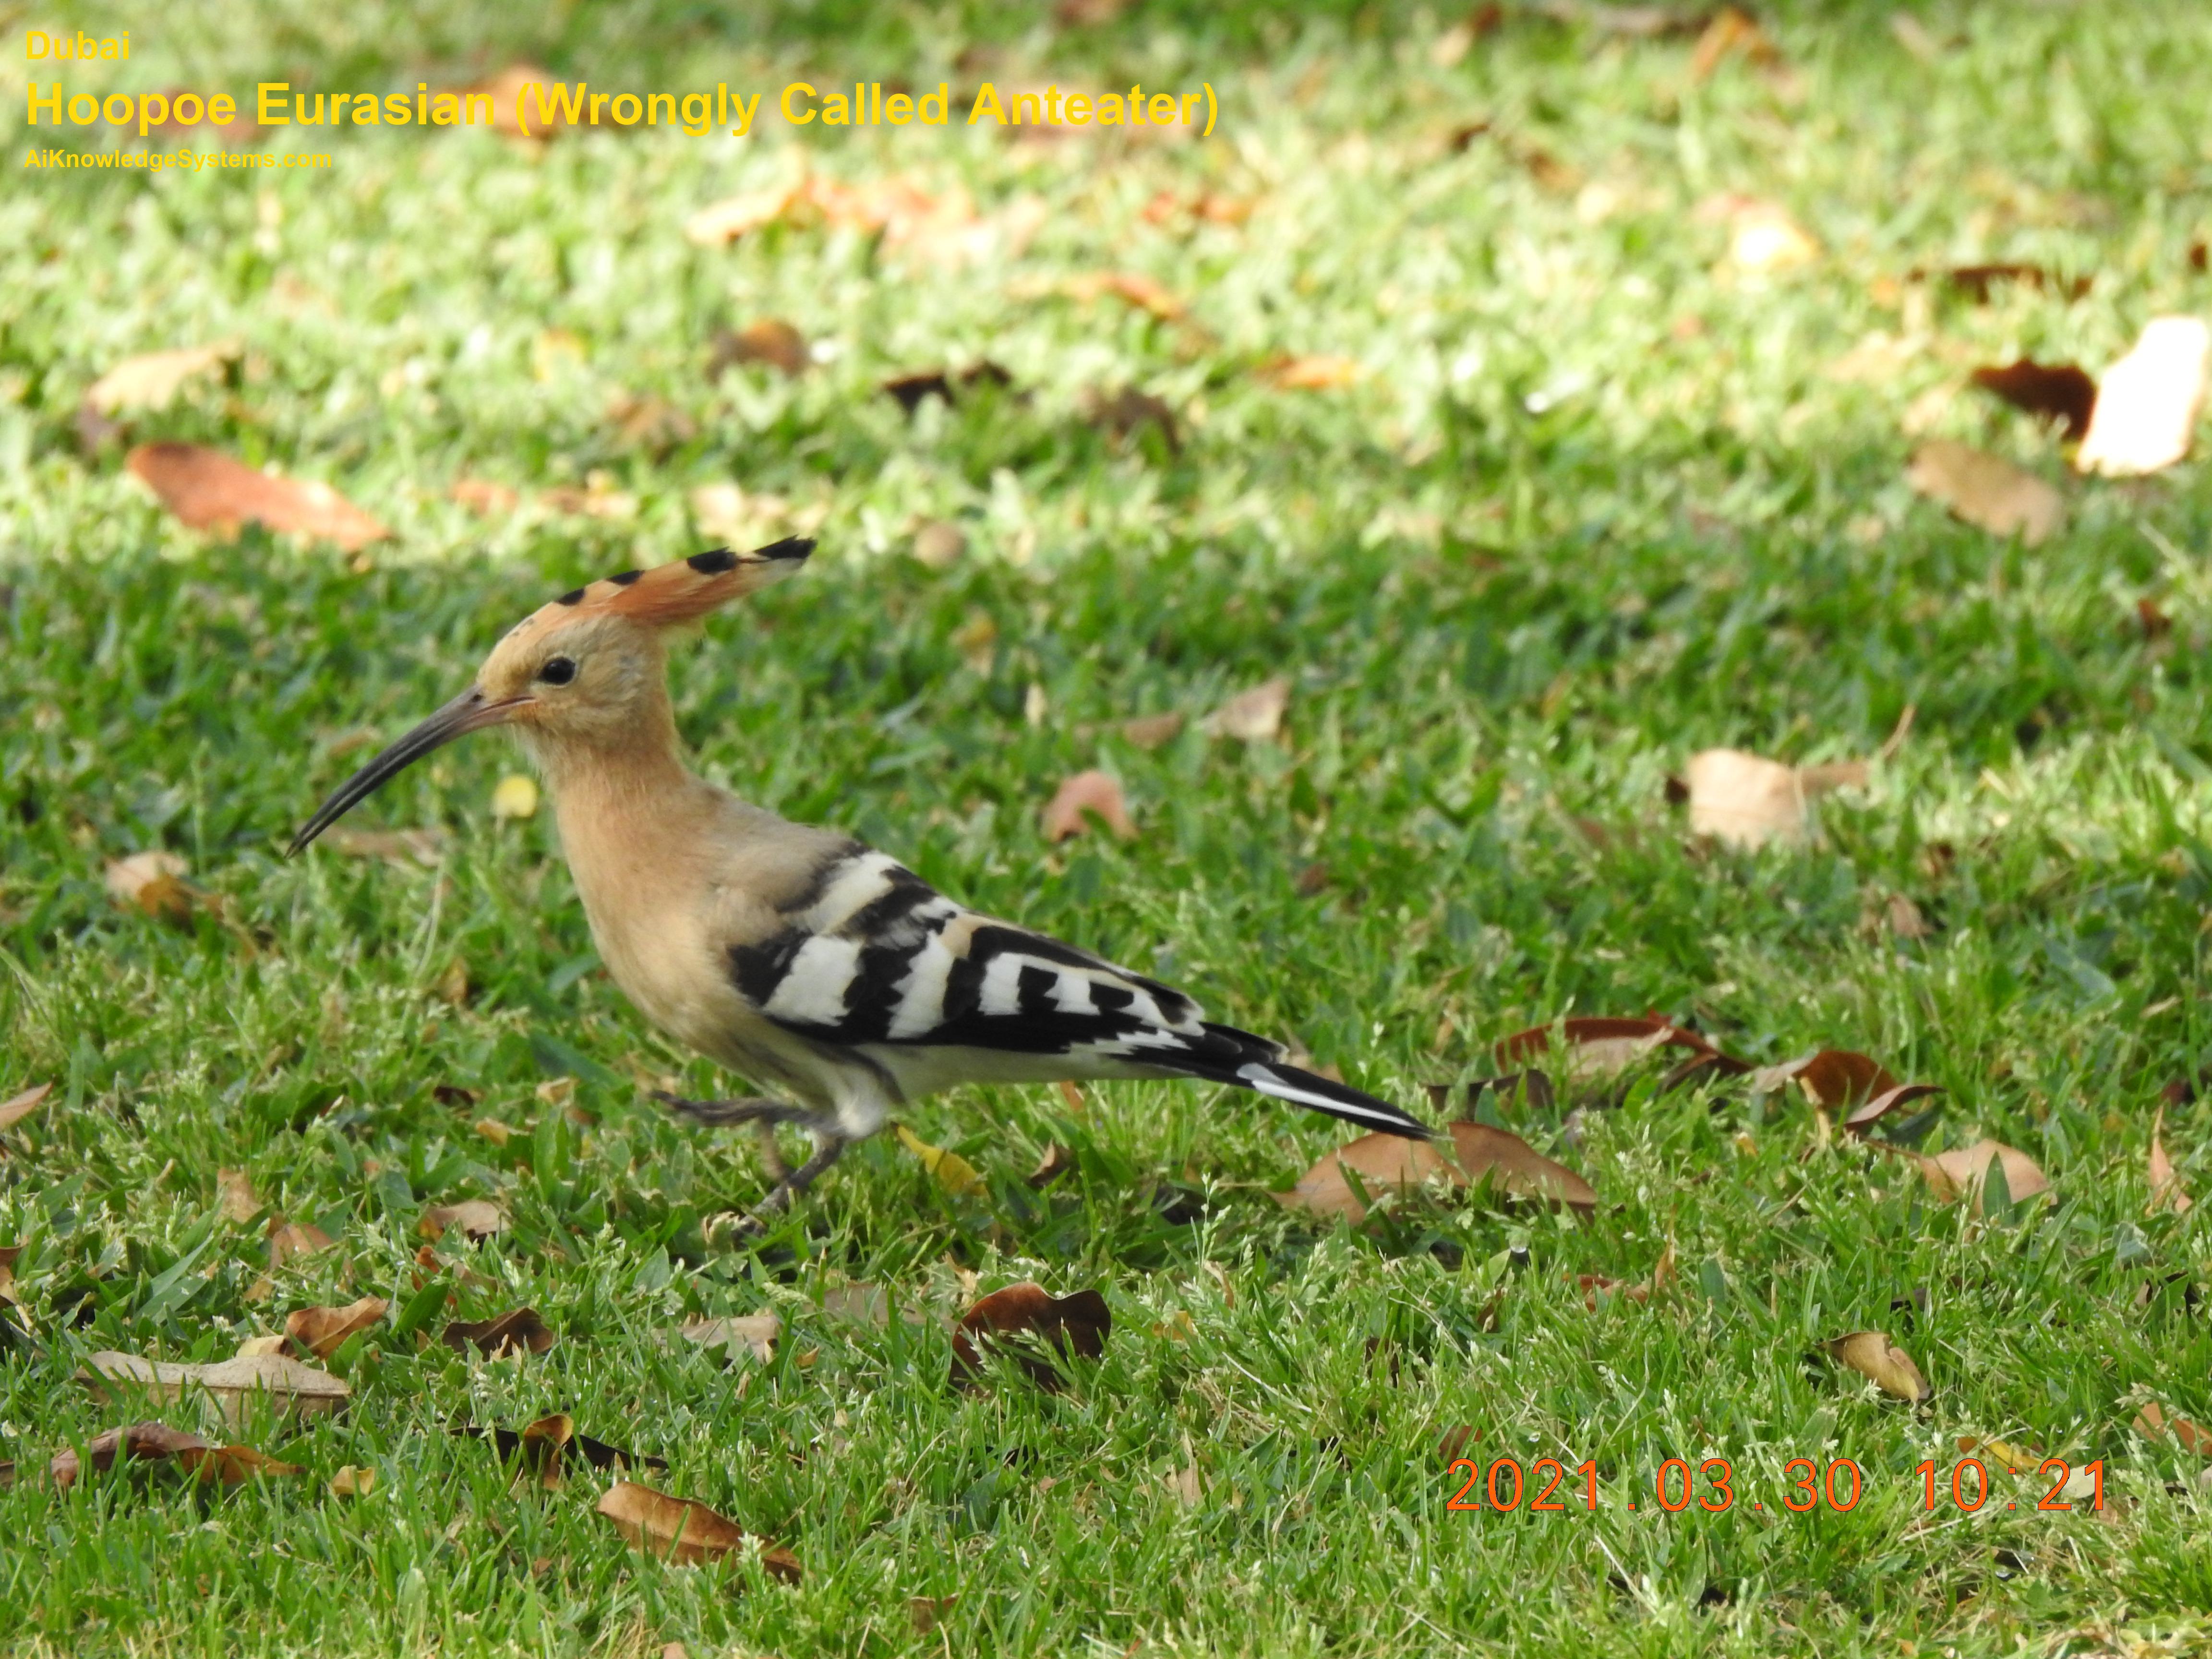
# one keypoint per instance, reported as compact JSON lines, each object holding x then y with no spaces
{"x":235,"y":1194}
{"x":1125,"y":413}
{"x":2063,"y":393}
{"x":1087,"y":793}
{"x":518,"y":1330}
{"x":323,"y":1331}
{"x":1517,"y":1167}
{"x":208,"y":490}
{"x":1989,"y":494}
{"x":1056,"y":1162}
{"x":484,"y":497}
{"x":723,"y":222}
{"x":1731,"y":33}
{"x":475,"y":1218}
{"x":754,"y":1332}
{"x":153,"y":380}
{"x":13,"y":1111}
{"x":1875,"y":1357}
{"x":1150,"y":731}
{"x":1747,"y":800}
{"x":1960,"y":1172}
{"x":506,"y":90}
{"x":686,"y":1533}
{"x":770,"y":340}
{"x":353,"y":1481}
{"x":151,"y":883}
{"x":1379,"y":1162}
{"x":940,"y":544}
{"x":2165,"y":1189}
{"x":288,"y":1241}
{"x":1865,"y":1116}
{"x":2152,"y":1424}
{"x":1253,"y":716}
{"x":1022,"y":1322}
{"x":926,"y":1612}
{"x":236,"y":1385}
{"x":1320,"y":374}
{"x":150,"y":1441}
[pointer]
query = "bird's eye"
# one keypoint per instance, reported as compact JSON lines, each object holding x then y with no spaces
{"x":557,"y":670}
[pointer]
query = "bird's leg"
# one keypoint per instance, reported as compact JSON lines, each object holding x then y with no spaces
{"x":761,"y":1112}
{"x":831,"y":1147}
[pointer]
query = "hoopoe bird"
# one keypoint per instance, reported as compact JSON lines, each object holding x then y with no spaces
{"x":795,"y":957}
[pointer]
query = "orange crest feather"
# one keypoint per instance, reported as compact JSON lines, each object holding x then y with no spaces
{"x":682,"y":589}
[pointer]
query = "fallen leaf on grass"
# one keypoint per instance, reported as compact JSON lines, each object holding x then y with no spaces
{"x":1598,"y":1046}
{"x":1125,"y":413}
{"x":2152,"y":1424}
{"x":2052,"y":392}
{"x":926,"y":1612}
{"x":1087,"y":793}
{"x":485,"y":498}
{"x":1730,"y":33}
{"x":1747,"y":800}
{"x":1150,"y":731}
{"x":770,"y":340}
{"x":288,"y":1241}
{"x":1132,"y":287}
{"x":1518,"y":1168}
{"x":545,"y":1449}
{"x":2017,"y":1460}
{"x":1253,"y":716}
{"x":1056,"y":1162}
{"x":1975,"y":282}
{"x":1830,"y":1079}
{"x":755,"y":1333}
{"x":323,"y":1331}
{"x":940,"y":544}
{"x":236,"y":1385}
{"x":208,"y":490}
{"x":2165,"y":1189}
{"x":1963,"y":1171}
{"x":423,"y":846}
{"x":153,"y":380}
{"x":1308,"y":373}
{"x":231,"y":1465}
{"x":507,"y":93}
{"x":14,"y":1111}
{"x":1875,"y":1357}
{"x":518,"y":1330}
{"x":353,"y":1481}
{"x":910,"y":389}
{"x":1764,"y":239}
{"x":1021,"y":1321}
{"x":861,"y":1303}
{"x":954,"y":1173}
{"x":720,"y":223}
{"x":650,"y":422}
{"x":2148,"y":403}
{"x":475,"y":1218}
{"x":1380,"y":1163}
{"x":685,"y":1533}
{"x":153,"y":884}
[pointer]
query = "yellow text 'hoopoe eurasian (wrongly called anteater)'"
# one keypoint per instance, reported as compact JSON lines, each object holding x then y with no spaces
{"x":796,"y":957}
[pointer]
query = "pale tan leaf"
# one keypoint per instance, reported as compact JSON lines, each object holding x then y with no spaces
{"x":954,"y":1173}
{"x":940,"y":544}
{"x":1960,"y":1172}
{"x":236,"y":1385}
{"x":1766,"y":238}
{"x":208,"y":490}
{"x":2166,"y":1188}
{"x":288,"y":1241}
{"x":1087,"y":793}
{"x":476,"y":1217}
{"x":484,"y":497}
{"x":1253,"y":716}
{"x":724,"y":221}
{"x":2148,"y":403}
{"x":353,"y":1481}
{"x":1875,"y":1357}
{"x":770,"y":340}
{"x":1380,"y":1162}
{"x":1150,"y":731}
{"x":1745,"y":800}
{"x":755,"y":1333}
{"x":1988,"y":493}
{"x":14,"y":1111}
{"x":153,"y":884}
{"x":234,"y":1195}
{"x":1311,"y":374}
{"x":254,"y":1346}
{"x":152,"y":381}
{"x":686,"y":1533}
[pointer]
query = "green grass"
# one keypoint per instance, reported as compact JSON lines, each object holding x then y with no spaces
{"x":1594,"y":504}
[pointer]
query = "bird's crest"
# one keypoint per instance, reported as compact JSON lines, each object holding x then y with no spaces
{"x":679,"y":591}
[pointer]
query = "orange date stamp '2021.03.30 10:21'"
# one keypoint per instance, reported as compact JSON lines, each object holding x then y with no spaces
{"x":1549,"y":1486}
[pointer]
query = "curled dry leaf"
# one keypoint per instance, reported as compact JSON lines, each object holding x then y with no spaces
{"x":771,"y":341}
{"x":1023,"y":1321}
{"x":954,"y":1173}
{"x":13,"y":1111}
{"x":1747,"y":801}
{"x":475,"y":1218}
{"x":236,"y":1385}
{"x":1253,"y":716}
{"x":135,"y":1440}
{"x":518,"y":1330}
{"x":754,"y":1332}
{"x":2063,"y":393}
{"x":1056,"y":1162}
{"x":2166,"y":1188}
{"x":545,"y":1448}
{"x":2152,"y":1424}
{"x":1989,"y":494}
{"x":208,"y":490}
{"x":1150,"y":731}
{"x":1962,"y":1171}
{"x":1598,"y":1046}
{"x":153,"y":884}
{"x":323,"y":1331}
{"x":515,"y":797}
{"x":685,"y":1533}
{"x":153,"y":380}
{"x":1875,"y":1357}
{"x":1865,"y":1116}
{"x":1731,"y":35}
{"x":1092,"y":792}
{"x":353,"y":1481}
{"x":2148,"y":402}
{"x":234,"y":1195}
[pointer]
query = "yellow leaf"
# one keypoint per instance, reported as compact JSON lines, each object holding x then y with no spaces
{"x":515,"y":797}
{"x":954,"y":1173}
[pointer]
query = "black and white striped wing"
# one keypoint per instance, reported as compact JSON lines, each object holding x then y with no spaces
{"x":872,"y":955}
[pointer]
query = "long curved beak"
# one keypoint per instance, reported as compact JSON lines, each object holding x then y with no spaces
{"x":470,"y":712}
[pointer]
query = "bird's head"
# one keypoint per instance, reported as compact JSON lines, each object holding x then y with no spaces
{"x":585,"y":670}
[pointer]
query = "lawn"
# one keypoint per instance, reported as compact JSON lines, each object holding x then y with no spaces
{"x":1476,"y":418}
